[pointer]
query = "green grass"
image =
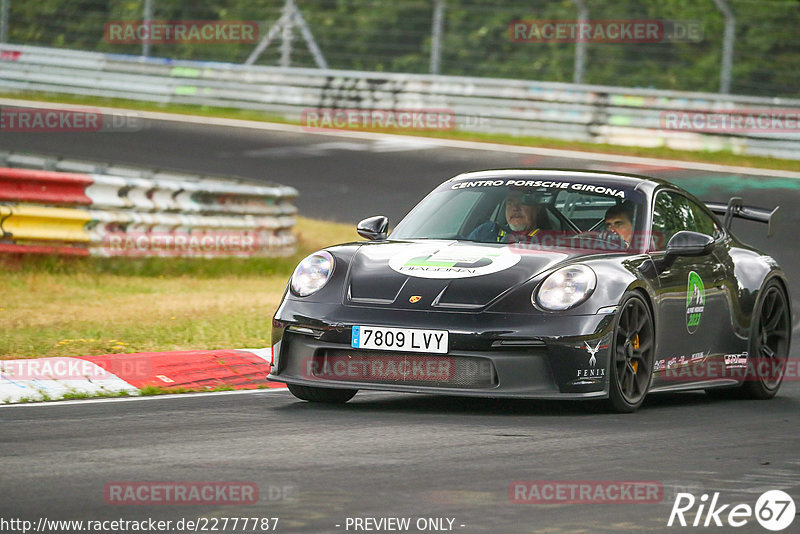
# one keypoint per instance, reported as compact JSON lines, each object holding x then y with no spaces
{"x":77,"y":395}
{"x":72,"y":394}
{"x":149,"y":391}
{"x":722,"y":157}
{"x":52,"y":306}
{"x":151,"y":267}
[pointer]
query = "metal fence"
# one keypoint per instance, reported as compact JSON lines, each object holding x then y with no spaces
{"x":589,"y":113}
{"x":729,"y":46}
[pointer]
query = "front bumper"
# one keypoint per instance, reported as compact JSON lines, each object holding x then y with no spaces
{"x":491,"y":354}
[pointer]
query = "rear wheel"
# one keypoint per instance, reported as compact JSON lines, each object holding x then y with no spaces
{"x":769,"y":344}
{"x":769,"y":348}
{"x":632,"y":353}
{"x":327,"y":395}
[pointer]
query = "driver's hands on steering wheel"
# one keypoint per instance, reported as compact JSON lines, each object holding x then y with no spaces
{"x":612,"y":240}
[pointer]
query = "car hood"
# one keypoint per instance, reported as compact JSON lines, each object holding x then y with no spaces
{"x":434,"y":274}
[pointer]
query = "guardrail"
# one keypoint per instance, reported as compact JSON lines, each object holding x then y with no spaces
{"x":558,"y":110}
{"x":86,"y":208}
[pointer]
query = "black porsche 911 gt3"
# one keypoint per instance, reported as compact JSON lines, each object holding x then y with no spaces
{"x":539,"y":284}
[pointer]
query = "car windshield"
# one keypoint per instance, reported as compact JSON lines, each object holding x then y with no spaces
{"x":561,"y":213}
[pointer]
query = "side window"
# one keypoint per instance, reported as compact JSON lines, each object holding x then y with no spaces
{"x":671,"y":214}
{"x":705,"y":224}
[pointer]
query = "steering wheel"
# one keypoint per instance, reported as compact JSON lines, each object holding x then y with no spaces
{"x":566,"y":224}
{"x":613,"y":240}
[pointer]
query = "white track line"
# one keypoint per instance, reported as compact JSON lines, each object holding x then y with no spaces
{"x":196,"y":394}
{"x":449,"y":143}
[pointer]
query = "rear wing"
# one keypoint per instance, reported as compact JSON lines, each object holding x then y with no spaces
{"x":735,"y":208}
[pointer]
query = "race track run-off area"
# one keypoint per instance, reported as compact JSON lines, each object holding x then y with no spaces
{"x":455,"y":463}
{"x":34,"y":379}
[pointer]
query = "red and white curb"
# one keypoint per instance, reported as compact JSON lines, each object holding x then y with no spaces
{"x":38,"y":379}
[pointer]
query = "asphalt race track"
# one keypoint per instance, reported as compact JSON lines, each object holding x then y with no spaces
{"x":394,"y":455}
{"x":390,"y":455}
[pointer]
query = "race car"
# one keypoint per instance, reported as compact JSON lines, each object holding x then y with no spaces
{"x":540,"y":284}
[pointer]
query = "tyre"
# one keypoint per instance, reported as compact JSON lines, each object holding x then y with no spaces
{"x":632,"y":355}
{"x":327,"y":395}
{"x":770,"y":335}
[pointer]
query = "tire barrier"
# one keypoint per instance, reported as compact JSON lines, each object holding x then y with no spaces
{"x":42,"y":187}
{"x":139,"y":212}
{"x":573,"y":112}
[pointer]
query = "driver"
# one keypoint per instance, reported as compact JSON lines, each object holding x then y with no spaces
{"x":619,"y":221}
{"x":521,"y":213}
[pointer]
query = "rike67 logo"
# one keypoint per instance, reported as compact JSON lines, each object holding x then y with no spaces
{"x":774,"y":510}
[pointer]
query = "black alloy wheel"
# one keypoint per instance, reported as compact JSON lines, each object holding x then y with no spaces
{"x":769,"y":344}
{"x":632,"y":355}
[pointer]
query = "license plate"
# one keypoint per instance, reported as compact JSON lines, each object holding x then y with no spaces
{"x":406,"y":339}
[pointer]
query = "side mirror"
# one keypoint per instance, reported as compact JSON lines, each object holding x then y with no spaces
{"x":374,"y":228}
{"x":686,"y":243}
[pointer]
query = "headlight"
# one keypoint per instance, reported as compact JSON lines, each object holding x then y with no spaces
{"x":565,"y":288}
{"x":312,"y":273}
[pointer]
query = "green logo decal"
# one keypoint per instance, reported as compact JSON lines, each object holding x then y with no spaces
{"x":450,"y":261}
{"x":695,"y":301}
{"x":465,"y":263}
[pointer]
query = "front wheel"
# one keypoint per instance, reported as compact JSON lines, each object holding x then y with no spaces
{"x":632,"y":354}
{"x":327,"y":395}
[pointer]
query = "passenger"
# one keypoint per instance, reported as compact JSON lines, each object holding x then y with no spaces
{"x":619,"y":221}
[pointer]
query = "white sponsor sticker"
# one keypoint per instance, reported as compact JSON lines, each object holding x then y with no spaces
{"x":452,"y":261}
